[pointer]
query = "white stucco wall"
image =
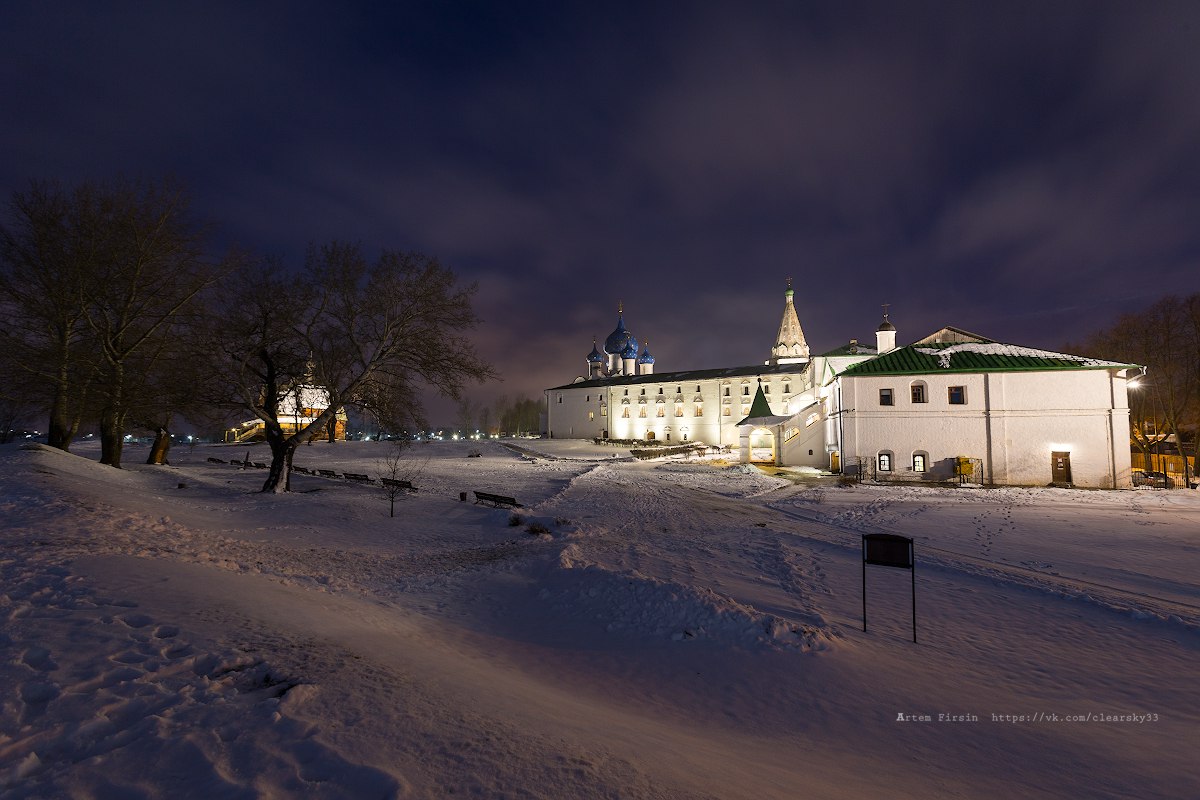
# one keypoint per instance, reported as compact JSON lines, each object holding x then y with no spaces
{"x":1012,"y":421}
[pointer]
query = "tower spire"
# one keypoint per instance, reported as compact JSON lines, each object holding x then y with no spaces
{"x":790,"y":345}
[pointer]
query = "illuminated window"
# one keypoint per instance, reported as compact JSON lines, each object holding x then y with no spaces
{"x":591,"y":415}
{"x":662,"y":411}
{"x":745,"y":409}
{"x":625,"y":412}
{"x":885,"y":461}
{"x":725,"y":412}
{"x":886,"y":398}
{"x":957,"y":395}
{"x":679,"y":409}
{"x":699,"y":410}
{"x":918,"y":392}
{"x":642,"y":412}
{"x":604,"y":411}
{"x":919,"y":462}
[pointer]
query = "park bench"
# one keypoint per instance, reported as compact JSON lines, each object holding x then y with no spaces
{"x":395,"y":484}
{"x":354,"y":476}
{"x":496,"y":500}
{"x":327,"y":473}
{"x":216,"y":460}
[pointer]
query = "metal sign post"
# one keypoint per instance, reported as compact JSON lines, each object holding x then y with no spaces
{"x":889,"y":550}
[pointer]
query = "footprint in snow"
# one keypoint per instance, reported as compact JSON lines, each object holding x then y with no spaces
{"x":39,"y":658}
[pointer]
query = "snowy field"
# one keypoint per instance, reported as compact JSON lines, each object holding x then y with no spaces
{"x":638,"y":630}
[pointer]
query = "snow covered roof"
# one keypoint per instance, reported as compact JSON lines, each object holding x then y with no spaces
{"x":689,"y":375}
{"x":975,"y":357}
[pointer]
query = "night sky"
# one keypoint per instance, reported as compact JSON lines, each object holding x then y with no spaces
{"x":1024,"y":171}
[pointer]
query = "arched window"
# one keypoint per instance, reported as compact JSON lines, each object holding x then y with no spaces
{"x":884,"y":460}
{"x":920,"y":461}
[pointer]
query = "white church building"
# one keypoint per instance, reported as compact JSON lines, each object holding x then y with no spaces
{"x":952,"y":402}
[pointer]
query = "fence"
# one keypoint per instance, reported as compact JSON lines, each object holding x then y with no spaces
{"x":1172,"y":465}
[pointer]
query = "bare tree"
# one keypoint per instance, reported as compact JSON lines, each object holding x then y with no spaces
{"x":359,"y":334}
{"x":49,"y":244}
{"x":397,"y":471}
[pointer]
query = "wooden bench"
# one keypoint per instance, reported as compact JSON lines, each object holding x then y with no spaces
{"x":496,"y":500}
{"x":328,"y":473}
{"x":216,"y":460}
{"x":395,"y":484}
{"x":354,"y":476}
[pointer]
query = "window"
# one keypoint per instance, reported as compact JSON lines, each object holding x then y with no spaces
{"x":660,"y":390}
{"x":699,"y":410}
{"x":787,"y":388}
{"x":589,"y":398}
{"x":625,"y":412}
{"x":560,"y":399}
{"x":746,"y":391}
{"x":697,"y":388}
{"x":745,"y":409}
{"x":662,"y":411}
{"x":591,"y":416}
{"x":642,"y":412}
{"x":604,"y":411}
{"x":885,"y":462}
{"x":678,"y":390}
{"x":918,"y":393}
{"x":725,"y":412}
{"x":727,"y":391}
{"x":679,"y":409}
{"x":886,"y":398}
{"x":627,"y":393}
{"x":957,"y":395}
{"x":919,"y":460}
{"x":643,"y":390}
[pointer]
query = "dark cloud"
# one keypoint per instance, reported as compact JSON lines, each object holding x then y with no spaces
{"x":1026,"y":170}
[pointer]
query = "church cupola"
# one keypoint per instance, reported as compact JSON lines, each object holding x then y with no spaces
{"x":646,"y":361}
{"x":790,"y":346}
{"x":595,"y":360}
{"x":619,"y":341}
{"x":885,"y":334}
{"x":629,"y":358}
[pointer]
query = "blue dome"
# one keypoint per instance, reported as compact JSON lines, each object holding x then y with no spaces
{"x":630,"y":350}
{"x":620,"y":340}
{"x":645,"y":357}
{"x":595,"y":357}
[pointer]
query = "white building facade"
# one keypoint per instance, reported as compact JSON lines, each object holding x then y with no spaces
{"x":1022,"y":416}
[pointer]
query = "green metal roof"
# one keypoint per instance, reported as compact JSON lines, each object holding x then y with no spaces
{"x":934,"y":358}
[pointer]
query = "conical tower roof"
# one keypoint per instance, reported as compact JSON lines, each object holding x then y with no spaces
{"x":790,"y":345}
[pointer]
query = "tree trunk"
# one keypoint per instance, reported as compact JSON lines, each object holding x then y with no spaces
{"x":332,"y":430}
{"x":160,"y":448}
{"x":112,"y":437}
{"x":283,"y":448}
{"x":61,"y":429}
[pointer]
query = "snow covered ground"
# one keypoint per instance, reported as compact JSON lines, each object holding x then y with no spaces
{"x":638,"y":630}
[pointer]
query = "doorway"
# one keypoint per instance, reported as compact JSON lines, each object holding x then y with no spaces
{"x":762,"y":446}
{"x":1060,"y":467}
